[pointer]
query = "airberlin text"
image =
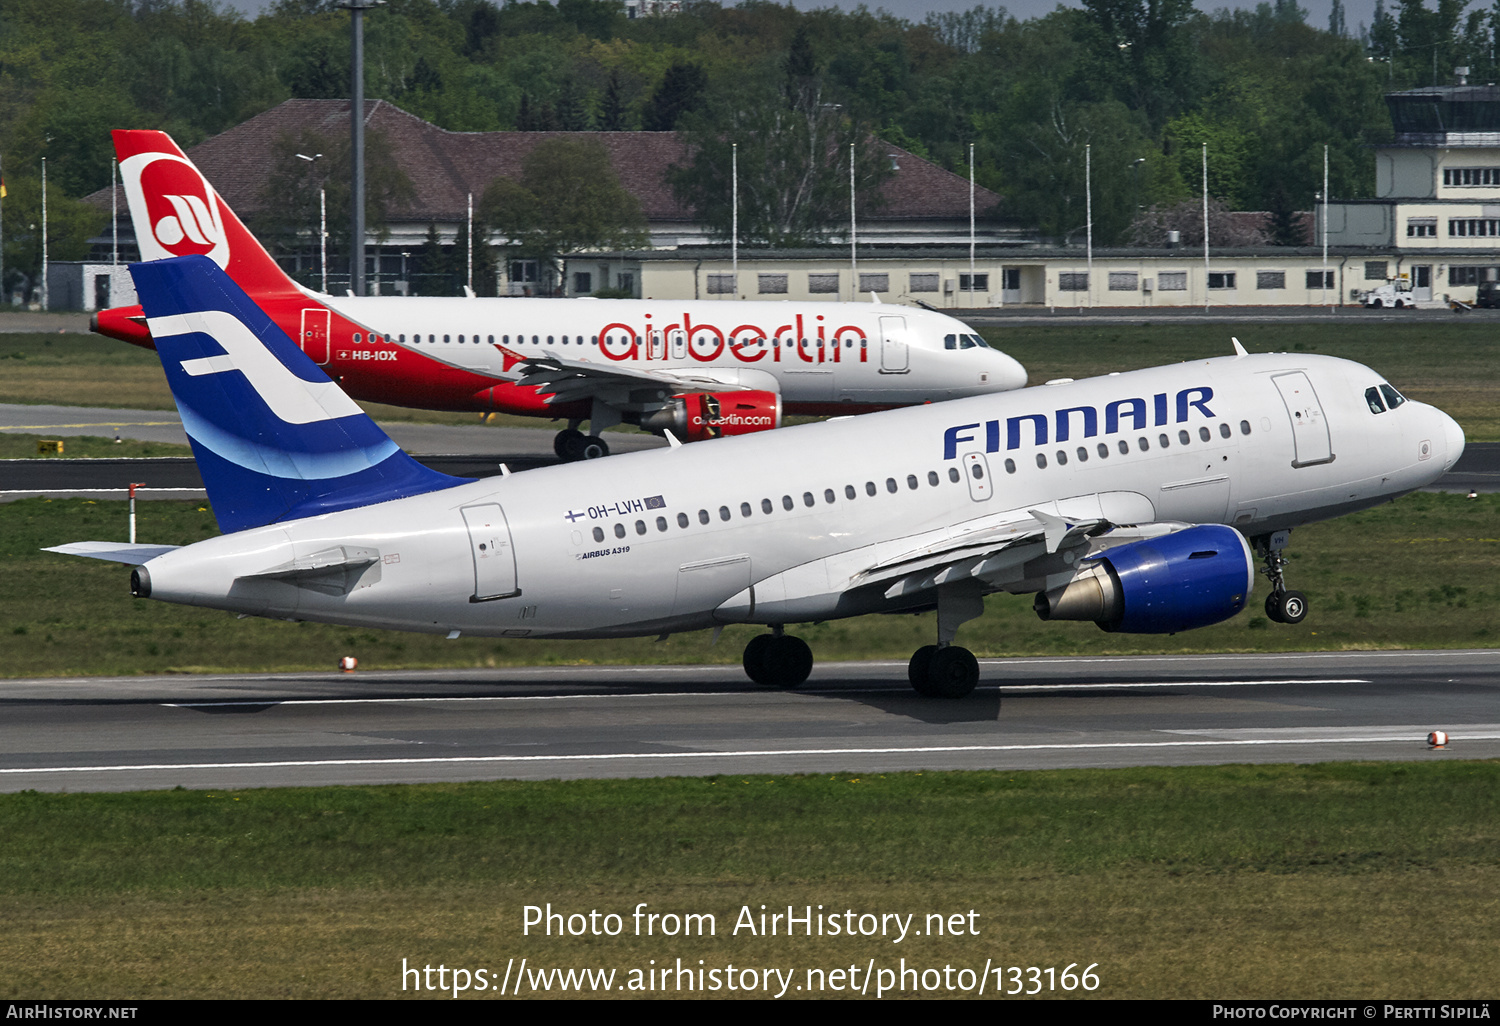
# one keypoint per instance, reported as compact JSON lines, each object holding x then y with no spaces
{"x":1131,"y":414}
{"x":796,"y":342}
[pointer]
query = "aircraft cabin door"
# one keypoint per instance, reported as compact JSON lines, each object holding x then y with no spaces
{"x":893,"y":348}
{"x":679,"y":344}
{"x":1309,"y":428}
{"x":494,"y":557}
{"x":656,"y":346}
{"x":315,"y":335}
{"x":977,"y":472}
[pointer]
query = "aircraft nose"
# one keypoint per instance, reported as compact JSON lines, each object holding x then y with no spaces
{"x":1009,"y":372}
{"x":1453,"y":435}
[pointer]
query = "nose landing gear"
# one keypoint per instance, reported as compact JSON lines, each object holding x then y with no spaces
{"x":1282,"y":606}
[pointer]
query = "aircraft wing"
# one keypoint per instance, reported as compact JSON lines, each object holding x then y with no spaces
{"x":569,"y":380}
{"x":115,"y":552}
{"x":1000,"y":543}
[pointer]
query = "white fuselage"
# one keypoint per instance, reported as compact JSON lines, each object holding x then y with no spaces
{"x":819,"y":356}
{"x":778,"y":527}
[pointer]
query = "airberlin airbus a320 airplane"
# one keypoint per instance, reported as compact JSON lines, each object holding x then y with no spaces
{"x":700,"y":369}
{"x":1132,"y":500}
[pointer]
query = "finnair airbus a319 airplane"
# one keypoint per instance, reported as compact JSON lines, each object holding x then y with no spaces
{"x":1136,"y":500}
{"x":702,"y":369}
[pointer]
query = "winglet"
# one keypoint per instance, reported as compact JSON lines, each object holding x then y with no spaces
{"x":673,"y":440}
{"x":1239,"y":350}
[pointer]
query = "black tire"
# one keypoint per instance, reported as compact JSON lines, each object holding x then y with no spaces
{"x":785,"y":662}
{"x":569,"y":445}
{"x":952,"y":673}
{"x":916,"y":670}
{"x":594,"y":448}
{"x":754,"y":659}
{"x":1376,"y":304}
{"x":1293,"y":607}
{"x":1273,"y":607}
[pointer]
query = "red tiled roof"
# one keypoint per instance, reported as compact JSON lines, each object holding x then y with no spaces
{"x":444,"y":167}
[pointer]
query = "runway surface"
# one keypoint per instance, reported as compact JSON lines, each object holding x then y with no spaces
{"x":540,"y":723}
{"x":465,"y":451}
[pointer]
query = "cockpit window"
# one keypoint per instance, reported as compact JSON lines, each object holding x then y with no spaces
{"x":1372,"y":397}
{"x":964,"y":341}
{"x":979,"y":342}
{"x":950,"y":341}
{"x":1393,"y":398}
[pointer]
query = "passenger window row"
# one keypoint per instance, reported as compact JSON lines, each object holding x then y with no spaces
{"x":808,"y":500}
{"x":1143,"y":444}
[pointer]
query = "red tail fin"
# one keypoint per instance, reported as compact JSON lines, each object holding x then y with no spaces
{"x":176,"y":212}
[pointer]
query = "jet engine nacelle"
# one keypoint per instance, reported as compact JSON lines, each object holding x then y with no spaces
{"x":695,"y":416}
{"x":1190,"y":578}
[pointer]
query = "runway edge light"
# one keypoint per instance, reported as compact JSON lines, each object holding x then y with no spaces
{"x":348,"y":664}
{"x":1437,"y":739}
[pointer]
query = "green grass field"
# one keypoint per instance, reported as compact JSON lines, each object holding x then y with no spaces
{"x":1423,"y":572}
{"x":1335,"y":880}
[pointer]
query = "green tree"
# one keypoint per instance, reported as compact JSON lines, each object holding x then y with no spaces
{"x":568,"y":200}
{"x":287,"y":220}
{"x":681,"y":91}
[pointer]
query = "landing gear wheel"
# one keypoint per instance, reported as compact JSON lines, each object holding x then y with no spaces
{"x":1293,"y":607}
{"x":1287,"y":606}
{"x":594,"y":448}
{"x":778,"y":661}
{"x":754,"y":659}
{"x":569,"y":445}
{"x":916,"y":670}
{"x":952,"y":672}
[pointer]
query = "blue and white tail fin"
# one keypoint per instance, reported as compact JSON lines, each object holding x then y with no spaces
{"x":275,"y":439}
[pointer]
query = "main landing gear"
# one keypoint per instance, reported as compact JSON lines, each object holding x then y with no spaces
{"x":1282,"y":606}
{"x":573,"y":445}
{"x":944,"y":670}
{"x":778,"y":660}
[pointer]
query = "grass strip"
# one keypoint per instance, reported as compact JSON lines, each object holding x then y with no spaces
{"x":1341,"y":879}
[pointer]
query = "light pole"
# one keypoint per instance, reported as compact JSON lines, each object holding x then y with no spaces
{"x":322,"y":223}
{"x":1135,"y":174}
{"x":357,"y":9}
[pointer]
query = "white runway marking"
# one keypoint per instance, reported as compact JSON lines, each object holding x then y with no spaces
{"x":1370,"y":735}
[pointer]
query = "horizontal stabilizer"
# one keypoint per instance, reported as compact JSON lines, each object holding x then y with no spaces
{"x":115,"y":552}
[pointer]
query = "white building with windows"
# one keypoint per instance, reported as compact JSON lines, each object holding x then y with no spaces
{"x":943,"y":277}
{"x":1436,"y":212}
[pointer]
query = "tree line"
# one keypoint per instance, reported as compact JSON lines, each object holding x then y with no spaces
{"x":1143,"y":84}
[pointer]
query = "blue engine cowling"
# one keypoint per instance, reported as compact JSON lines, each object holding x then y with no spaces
{"x":1191,"y":578}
